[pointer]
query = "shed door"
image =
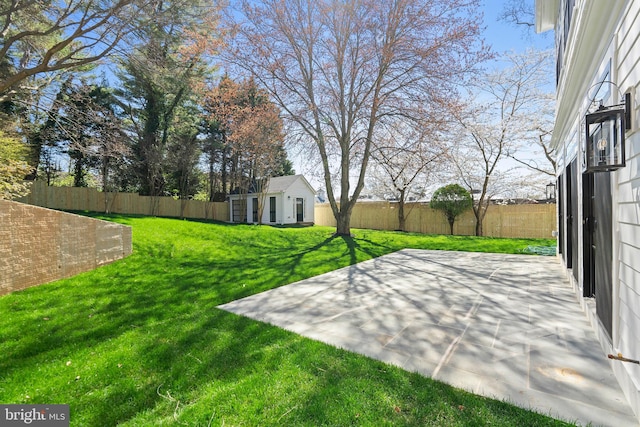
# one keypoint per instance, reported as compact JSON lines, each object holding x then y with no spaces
{"x":299,"y":209}
{"x":239,"y":210}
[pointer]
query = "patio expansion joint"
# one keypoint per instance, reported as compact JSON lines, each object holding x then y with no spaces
{"x":487,"y":328}
{"x":494,"y":272}
{"x":396,"y":335}
{"x":495,"y":334}
{"x":454,"y":344}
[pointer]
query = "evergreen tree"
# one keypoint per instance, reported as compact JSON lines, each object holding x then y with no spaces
{"x":161,"y":76}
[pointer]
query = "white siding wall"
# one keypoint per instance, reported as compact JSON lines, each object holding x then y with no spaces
{"x":299,"y":189}
{"x":627,"y":210}
{"x":628,"y":61}
{"x":266,"y":213}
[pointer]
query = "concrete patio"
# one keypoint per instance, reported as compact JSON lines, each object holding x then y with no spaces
{"x":503,"y":326}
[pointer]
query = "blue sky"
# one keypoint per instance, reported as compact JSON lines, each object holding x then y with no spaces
{"x":503,"y":36}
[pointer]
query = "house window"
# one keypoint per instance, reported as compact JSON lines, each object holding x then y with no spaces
{"x":562,"y":34}
{"x":272,"y":209}
{"x":255,"y":209}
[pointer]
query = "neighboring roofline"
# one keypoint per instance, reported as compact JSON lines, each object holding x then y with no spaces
{"x":546,"y":15}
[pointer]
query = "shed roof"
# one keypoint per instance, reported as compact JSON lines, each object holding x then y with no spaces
{"x":280,"y":184}
{"x":277,"y":184}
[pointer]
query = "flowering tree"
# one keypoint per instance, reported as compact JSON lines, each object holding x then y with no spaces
{"x":494,"y":124}
{"x":407,"y":157}
{"x":259,"y":140}
{"x":249,"y":138}
{"x":341,"y":70}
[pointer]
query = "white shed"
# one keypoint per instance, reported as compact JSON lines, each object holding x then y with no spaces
{"x":286,"y":200}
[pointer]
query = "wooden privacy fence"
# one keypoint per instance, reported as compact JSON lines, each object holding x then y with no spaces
{"x":90,"y":199}
{"x":523,"y":221}
{"x":527,"y":221}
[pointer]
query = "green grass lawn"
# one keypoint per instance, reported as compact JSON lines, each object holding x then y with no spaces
{"x":140,"y":342}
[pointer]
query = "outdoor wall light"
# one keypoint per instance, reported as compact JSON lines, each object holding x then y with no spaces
{"x":605,"y":130}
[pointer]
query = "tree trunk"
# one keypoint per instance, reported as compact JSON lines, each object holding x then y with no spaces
{"x":79,"y":172}
{"x":223,"y":172}
{"x":211,"y":178}
{"x":479,"y":212}
{"x":451,"y":221}
{"x":402,"y":221}
{"x":34,"y":161}
{"x":109,"y":200}
{"x":343,"y":223}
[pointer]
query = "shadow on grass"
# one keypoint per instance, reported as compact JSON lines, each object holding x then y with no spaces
{"x":233,"y":370}
{"x":141,"y":339}
{"x":160,"y":281}
{"x":166,"y":278}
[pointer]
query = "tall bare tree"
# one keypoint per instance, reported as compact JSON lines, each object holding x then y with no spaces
{"x":340,"y":69}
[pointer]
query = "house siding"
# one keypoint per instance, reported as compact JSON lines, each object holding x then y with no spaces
{"x":266,"y":213}
{"x":585,"y":57}
{"x":627,"y":339}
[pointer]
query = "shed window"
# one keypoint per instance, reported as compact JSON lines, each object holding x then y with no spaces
{"x":255,"y":209}
{"x":272,"y":209}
